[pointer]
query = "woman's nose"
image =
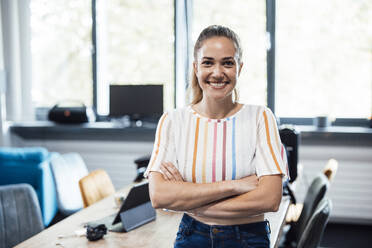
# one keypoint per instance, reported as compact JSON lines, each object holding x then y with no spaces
{"x":217,"y":72}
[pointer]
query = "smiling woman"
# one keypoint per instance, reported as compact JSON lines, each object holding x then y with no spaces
{"x":218,"y":160}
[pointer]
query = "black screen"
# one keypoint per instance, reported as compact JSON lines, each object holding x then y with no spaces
{"x":137,"y":101}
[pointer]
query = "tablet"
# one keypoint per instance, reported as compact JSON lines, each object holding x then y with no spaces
{"x":138,"y":195}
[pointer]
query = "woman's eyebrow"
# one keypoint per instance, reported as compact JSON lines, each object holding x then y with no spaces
{"x":228,"y":58}
{"x":208,"y":58}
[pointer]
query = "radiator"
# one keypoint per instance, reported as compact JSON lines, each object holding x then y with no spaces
{"x":351,"y":189}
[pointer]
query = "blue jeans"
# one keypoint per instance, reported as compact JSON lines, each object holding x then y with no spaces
{"x":192,"y":233}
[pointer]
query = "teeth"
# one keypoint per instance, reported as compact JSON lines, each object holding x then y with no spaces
{"x":217,"y":85}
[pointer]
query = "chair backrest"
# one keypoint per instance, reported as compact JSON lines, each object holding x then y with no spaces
{"x":20,"y":215}
{"x":314,"y":229}
{"x":95,"y":186}
{"x":290,"y":137}
{"x":68,"y":169}
{"x":314,"y":195}
{"x":31,"y":165}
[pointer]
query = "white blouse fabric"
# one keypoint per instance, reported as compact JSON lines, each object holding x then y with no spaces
{"x":211,"y":150}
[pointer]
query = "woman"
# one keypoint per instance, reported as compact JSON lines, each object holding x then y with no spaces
{"x":218,"y":160}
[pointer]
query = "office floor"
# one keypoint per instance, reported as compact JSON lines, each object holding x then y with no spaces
{"x":346,"y":236}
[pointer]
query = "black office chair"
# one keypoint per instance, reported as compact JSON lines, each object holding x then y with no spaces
{"x":290,"y":138}
{"x":314,"y":195}
{"x":20,"y":214}
{"x":314,"y":229}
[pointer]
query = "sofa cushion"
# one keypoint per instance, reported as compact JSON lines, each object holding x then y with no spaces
{"x":67,"y":170}
{"x":27,"y":154}
{"x":31,"y":166}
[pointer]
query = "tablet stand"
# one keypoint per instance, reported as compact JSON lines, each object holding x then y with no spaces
{"x":137,"y":216}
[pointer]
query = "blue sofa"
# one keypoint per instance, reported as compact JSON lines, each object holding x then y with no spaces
{"x":32,"y":166}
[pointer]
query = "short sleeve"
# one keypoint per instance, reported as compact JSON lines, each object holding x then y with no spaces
{"x":164,"y":149}
{"x":270,"y":157}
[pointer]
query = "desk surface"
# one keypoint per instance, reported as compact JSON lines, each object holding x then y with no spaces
{"x":159,"y":233}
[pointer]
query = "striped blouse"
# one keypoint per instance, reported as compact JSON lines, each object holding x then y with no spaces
{"x":210,"y":150}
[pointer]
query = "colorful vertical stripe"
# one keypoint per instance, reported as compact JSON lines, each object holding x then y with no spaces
{"x":205,"y":147}
{"x":214,"y":152}
{"x":195,"y":150}
{"x":158,"y":138}
{"x":269,"y":142}
{"x":233,"y":150}
{"x":277,"y":139}
{"x":224,"y":152}
{"x":187,"y":137}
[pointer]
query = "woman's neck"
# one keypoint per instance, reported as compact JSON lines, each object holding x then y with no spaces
{"x":216,"y":109}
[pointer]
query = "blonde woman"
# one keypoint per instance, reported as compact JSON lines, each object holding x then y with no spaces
{"x":219,"y":161}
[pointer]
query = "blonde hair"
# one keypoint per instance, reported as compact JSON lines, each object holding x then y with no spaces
{"x":207,"y":33}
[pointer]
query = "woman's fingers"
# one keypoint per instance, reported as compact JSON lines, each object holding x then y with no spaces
{"x":174,"y":171}
{"x":166,"y":174}
{"x":171,"y":172}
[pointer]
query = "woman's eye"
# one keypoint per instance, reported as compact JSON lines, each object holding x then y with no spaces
{"x":229,"y":63}
{"x":207,"y":62}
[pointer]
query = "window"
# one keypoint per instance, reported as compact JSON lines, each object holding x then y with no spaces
{"x":320,"y":53}
{"x":248,"y":20}
{"x":61,"y":51}
{"x":324,"y":58}
{"x":135,"y":46}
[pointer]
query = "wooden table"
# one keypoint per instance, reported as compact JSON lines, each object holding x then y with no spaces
{"x":158,"y":233}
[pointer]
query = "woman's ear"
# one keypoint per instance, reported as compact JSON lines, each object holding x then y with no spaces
{"x":195,"y":65}
{"x":240,"y":68}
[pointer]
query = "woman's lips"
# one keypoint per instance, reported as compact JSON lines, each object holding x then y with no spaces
{"x":218,"y":85}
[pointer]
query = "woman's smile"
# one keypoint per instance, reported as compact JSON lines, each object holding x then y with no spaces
{"x":218,"y":85}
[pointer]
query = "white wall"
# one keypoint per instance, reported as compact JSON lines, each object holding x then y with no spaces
{"x":351,"y":189}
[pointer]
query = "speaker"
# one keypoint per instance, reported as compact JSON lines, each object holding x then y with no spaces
{"x":71,"y":114}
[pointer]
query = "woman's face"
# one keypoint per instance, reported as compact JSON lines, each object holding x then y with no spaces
{"x":217,"y":68}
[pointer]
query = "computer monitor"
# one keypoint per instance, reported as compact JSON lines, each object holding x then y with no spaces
{"x":140,"y":102}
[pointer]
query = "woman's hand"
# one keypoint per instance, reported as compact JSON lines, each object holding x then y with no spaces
{"x":170,"y":172}
{"x":245,"y":184}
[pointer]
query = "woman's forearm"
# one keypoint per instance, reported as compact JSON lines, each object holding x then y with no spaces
{"x":265,"y":198}
{"x":179,"y":195}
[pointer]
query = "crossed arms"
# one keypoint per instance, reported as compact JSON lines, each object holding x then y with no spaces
{"x":226,"y":199}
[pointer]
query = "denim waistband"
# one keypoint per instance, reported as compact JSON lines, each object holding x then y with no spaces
{"x":190,"y":224}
